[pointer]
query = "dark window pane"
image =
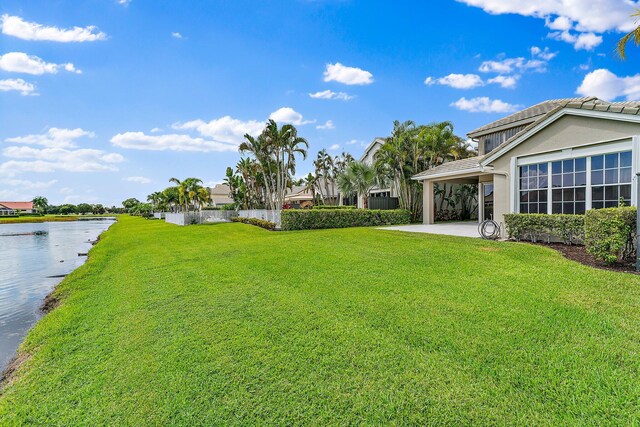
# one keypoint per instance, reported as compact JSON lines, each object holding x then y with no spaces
{"x":523,"y":208}
{"x":625,"y":159}
{"x":581,"y":165}
{"x":611,"y":161}
{"x":611,"y":204}
{"x":611,"y":193}
{"x":611,"y":176}
{"x":567,"y":180}
{"x":543,"y":181}
{"x":542,"y":208}
{"x":597,"y":205}
{"x":596,"y":178}
{"x":543,"y":168}
{"x":557,"y":195}
{"x":625,"y":175}
{"x":581,"y":194}
{"x":567,"y":195}
{"x":567,"y":166}
{"x":625,"y":191}
{"x":524,"y":196}
{"x":556,"y":208}
{"x":567,"y":208}
{"x":580,"y":208}
{"x":533,"y":208}
{"x":581,"y":178}
{"x":556,"y":167}
{"x":597,"y":193}
{"x":542,"y":195}
{"x":556,"y":180}
{"x":533,"y":196}
{"x":597,"y":162}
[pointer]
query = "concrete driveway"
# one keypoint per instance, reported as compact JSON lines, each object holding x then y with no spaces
{"x":462,"y":229}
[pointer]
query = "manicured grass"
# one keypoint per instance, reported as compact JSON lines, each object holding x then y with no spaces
{"x":47,"y":218}
{"x":231,"y":324}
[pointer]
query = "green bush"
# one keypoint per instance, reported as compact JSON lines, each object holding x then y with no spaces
{"x":568,"y":229}
{"x":268,"y":225}
{"x":329,"y":207}
{"x":297,"y":219}
{"x":610,"y":233}
{"x":29,"y":214}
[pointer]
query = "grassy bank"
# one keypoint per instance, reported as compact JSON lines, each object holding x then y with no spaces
{"x":48,"y":218}
{"x":231,"y":324}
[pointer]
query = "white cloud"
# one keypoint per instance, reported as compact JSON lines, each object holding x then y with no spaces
{"x":137,"y":179}
{"x":586,"y":19}
{"x":347,"y":75}
{"x":225,"y":129}
{"x":17,"y":27}
{"x":507,"y":82}
{"x":334,"y":147}
{"x":19,"y":62}
{"x":511,"y":65}
{"x":28,"y":185}
{"x":65,"y":190}
{"x":458,"y":81}
{"x":170,"y":142}
{"x":544,"y":54}
{"x":328,"y":125}
{"x":289,"y":115}
{"x":484,"y":105}
{"x":353,"y":142}
{"x":606,"y":85}
{"x":18,"y":85}
{"x":57,"y":159}
{"x":176,"y":35}
{"x":329,"y":94}
{"x":156,"y":130}
{"x":124,"y":2}
{"x":53,"y":138}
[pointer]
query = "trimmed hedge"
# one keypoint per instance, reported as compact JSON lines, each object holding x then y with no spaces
{"x":268,"y":225}
{"x":341,"y":218}
{"x":329,"y":207}
{"x":610,"y":233}
{"x":568,"y":229}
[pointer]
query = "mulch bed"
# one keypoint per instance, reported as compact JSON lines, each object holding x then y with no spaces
{"x":579,"y":254}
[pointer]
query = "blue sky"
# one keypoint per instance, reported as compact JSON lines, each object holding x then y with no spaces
{"x":101,"y":100}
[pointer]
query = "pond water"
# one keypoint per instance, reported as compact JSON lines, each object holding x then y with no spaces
{"x":34,"y":257}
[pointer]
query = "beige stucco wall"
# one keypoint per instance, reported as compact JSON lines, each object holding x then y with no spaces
{"x":566,"y":132}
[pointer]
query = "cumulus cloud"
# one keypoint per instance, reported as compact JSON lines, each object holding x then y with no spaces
{"x":53,"y":138}
{"x":562,"y":16}
{"x":137,"y":179}
{"x":458,"y":81}
{"x":176,"y":35}
{"x":484,"y":105}
{"x":19,"y":62}
{"x":334,"y":147}
{"x":347,"y":75}
{"x":329,"y":94}
{"x":28,"y":185}
{"x":606,"y":85}
{"x":511,"y":65}
{"x":225,"y":129}
{"x":17,"y":85}
{"x":170,"y":142}
{"x":507,"y":82}
{"x":289,"y":115}
{"x":328,"y":125}
{"x":17,"y":27}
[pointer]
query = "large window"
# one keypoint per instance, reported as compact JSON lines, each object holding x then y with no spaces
{"x":611,"y":180}
{"x":569,"y":182}
{"x":576,"y":185}
{"x":534,"y":181}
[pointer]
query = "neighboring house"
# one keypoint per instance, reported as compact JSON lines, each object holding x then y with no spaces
{"x":368,"y":157}
{"x":12,"y":208}
{"x":220,"y":195}
{"x":299,"y":196}
{"x":559,"y":156}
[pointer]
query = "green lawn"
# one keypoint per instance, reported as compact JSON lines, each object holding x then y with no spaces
{"x":230,"y":324}
{"x":47,"y":218}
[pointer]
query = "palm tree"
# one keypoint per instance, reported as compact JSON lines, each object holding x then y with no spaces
{"x":187,"y":191}
{"x":634,"y":35}
{"x":41,"y":203}
{"x":359,"y":178}
{"x":309,"y":183}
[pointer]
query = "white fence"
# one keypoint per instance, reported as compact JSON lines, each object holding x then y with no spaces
{"x":188,"y":218}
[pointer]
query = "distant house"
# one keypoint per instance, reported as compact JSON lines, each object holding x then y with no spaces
{"x":386,"y":197}
{"x":13,"y":208}
{"x":220,"y":195}
{"x":301,"y":196}
{"x":562,"y":156}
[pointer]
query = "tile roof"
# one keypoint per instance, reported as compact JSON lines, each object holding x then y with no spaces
{"x":23,"y":206}
{"x":470,"y":164}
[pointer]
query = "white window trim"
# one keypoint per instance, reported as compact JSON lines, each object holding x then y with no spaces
{"x":630,"y":144}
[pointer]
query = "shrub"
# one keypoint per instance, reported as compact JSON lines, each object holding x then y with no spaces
{"x":610,"y":233}
{"x":268,"y":225}
{"x":332,"y":207}
{"x":341,"y":218}
{"x":569,"y":229}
